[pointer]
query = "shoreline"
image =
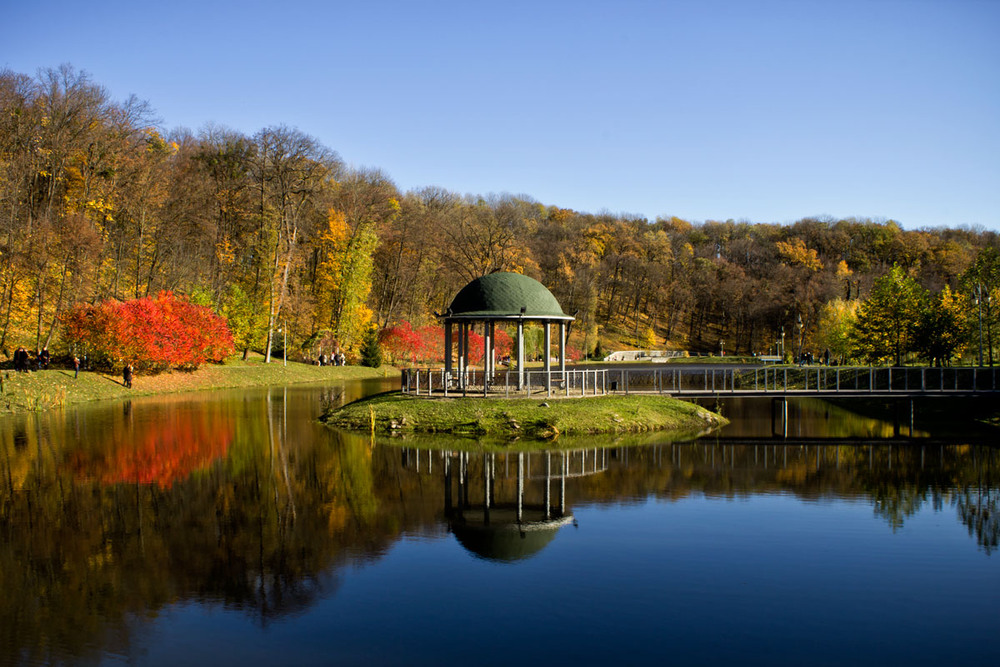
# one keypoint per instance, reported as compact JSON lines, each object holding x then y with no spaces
{"x":55,"y":388}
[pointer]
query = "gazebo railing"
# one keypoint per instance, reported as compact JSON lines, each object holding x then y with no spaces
{"x":506,"y":382}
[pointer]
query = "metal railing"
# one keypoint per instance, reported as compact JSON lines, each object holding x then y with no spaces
{"x":695,"y":381}
{"x":506,"y":383}
{"x":805,"y":379}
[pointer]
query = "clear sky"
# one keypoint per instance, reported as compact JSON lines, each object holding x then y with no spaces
{"x":751,"y":110}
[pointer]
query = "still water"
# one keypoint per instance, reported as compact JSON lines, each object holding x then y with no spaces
{"x":233,"y":529}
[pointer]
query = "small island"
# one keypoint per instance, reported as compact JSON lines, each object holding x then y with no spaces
{"x":523,"y":417}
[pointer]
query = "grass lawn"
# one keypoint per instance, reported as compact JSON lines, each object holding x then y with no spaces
{"x":533,"y":418}
{"x":42,"y":390}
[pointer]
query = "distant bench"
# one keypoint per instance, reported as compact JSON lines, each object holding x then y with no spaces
{"x":769,"y":357}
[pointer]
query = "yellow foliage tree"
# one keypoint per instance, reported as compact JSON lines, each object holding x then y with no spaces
{"x":344,"y":278}
{"x":796,"y":252}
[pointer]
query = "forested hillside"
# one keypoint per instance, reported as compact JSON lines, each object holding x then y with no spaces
{"x":272,"y":230}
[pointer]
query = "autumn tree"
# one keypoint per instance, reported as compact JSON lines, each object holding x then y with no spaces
{"x":982,"y":281}
{"x":488,"y":235}
{"x":836,"y":321}
{"x":290,"y":169}
{"x":887,"y":321}
{"x":942,"y":329}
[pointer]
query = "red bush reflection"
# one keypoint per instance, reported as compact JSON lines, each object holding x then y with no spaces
{"x":161,"y":451}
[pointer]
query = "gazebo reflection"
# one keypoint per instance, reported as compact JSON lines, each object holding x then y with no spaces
{"x":508,"y":507}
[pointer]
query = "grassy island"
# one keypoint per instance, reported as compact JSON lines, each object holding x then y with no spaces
{"x":54,"y":388}
{"x":521,"y":417}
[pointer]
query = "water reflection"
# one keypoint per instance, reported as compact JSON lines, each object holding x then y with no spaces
{"x":515,"y":526}
{"x":246,"y":503}
{"x":858,"y":419}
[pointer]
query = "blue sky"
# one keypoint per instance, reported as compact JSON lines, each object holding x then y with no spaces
{"x":760,"y":111}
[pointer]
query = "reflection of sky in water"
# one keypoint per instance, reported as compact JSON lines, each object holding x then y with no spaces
{"x":757,"y":580}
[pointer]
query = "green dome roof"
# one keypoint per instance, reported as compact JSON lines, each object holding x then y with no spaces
{"x":505,"y":295}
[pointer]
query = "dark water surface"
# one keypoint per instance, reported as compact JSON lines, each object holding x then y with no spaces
{"x":232,"y":529}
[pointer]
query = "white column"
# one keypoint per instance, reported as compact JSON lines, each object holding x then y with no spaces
{"x":493,"y":349}
{"x":562,"y":348}
{"x":447,"y":348}
{"x":468,"y":328}
{"x":487,"y":353}
{"x":520,"y":354}
{"x":548,"y":358}
{"x":461,"y":354}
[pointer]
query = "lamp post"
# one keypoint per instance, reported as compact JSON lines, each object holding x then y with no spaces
{"x":283,"y":330}
{"x":782,"y":344}
{"x":802,"y":338}
{"x":979,"y":303}
{"x":722,"y":348}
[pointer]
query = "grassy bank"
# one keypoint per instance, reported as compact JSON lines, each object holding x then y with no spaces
{"x":43,"y":390}
{"x":532,"y":418}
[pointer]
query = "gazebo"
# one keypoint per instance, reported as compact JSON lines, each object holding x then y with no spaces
{"x":510,"y":298}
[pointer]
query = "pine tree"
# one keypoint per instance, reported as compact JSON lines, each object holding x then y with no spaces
{"x":371,"y":351}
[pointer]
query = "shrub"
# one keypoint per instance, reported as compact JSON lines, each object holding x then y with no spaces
{"x":152,"y":333}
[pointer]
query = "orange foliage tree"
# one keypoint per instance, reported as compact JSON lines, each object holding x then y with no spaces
{"x":152,"y":333}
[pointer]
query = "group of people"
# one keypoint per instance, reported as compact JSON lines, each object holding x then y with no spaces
{"x":807,"y":358}
{"x":22,"y":359}
{"x":22,"y":364}
{"x":335,"y":359}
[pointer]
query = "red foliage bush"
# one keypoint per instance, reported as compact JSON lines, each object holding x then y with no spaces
{"x":426,"y":344}
{"x":153,"y":333}
{"x":402,"y":342}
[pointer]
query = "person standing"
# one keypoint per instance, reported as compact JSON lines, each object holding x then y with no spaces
{"x":76,"y":367}
{"x":127,"y":376}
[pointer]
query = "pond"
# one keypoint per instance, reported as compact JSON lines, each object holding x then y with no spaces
{"x":232,"y":528}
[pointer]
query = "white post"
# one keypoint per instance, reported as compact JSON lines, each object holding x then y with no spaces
{"x":461,"y":355}
{"x":447,"y":351}
{"x":548,"y":358}
{"x":520,"y":354}
{"x":562,"y":348}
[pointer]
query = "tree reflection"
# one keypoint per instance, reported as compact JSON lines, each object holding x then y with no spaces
{"x":237,"y":505}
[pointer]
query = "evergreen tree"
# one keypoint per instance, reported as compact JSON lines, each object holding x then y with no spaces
{"x":371,"y":351}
